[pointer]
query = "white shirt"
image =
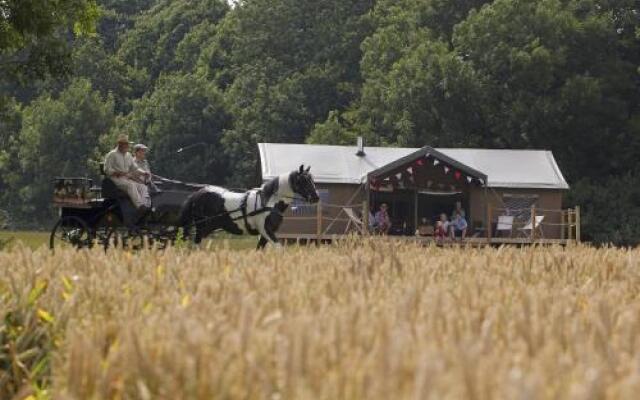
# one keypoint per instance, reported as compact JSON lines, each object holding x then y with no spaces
{"x":116,"y":161}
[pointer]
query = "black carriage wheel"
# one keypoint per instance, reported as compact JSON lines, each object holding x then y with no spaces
{"x":71,"y":231}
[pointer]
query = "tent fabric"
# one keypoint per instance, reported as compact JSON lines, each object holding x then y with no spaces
{"x":430,"y":152}
{"x":525,"y":169}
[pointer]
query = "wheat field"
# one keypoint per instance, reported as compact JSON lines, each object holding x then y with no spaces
{"x":359,"y":320}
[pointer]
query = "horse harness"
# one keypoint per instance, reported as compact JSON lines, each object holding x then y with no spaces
{"x":244,"y":210}
{"x":256,"y":210}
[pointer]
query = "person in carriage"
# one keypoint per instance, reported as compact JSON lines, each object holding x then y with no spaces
{"x":140,"y":158}
{"x":121,"y":168}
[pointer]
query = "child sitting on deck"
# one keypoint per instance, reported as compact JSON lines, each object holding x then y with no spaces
{"x":442,"y":227}
{"x":458,"y":226}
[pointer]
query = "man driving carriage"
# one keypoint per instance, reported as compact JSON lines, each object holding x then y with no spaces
{"x":121,"y":168}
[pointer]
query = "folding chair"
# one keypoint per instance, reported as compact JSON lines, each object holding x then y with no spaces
{"x":354,"y":222}
{"x":526,"y":230}
{"x":505,"y":225}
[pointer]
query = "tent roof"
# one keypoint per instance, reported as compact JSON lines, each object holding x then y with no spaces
{"x":431,"y":152}
{"x":340,"y":164}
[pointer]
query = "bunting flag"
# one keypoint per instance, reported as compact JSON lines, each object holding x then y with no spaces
{"x":427,"y":155}
{"x":419,"y":162}
{"x":436,"y":161}
{"x":410,"y":170}
{"x":399,"y":176}
{"x":446,"y":169}
{"x":457,"y":175}
{"x":469,"y":179}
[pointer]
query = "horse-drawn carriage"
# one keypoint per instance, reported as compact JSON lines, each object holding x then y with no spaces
{"x":91,"y":216}
{"x":101,"y":216}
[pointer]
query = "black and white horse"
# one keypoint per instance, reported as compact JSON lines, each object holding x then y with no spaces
{"x":256,"y":212}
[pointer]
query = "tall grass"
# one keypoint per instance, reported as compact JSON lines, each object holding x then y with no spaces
{"x":372,"y":320}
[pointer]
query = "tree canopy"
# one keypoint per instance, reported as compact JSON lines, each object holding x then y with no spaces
{"x":562,"y":75}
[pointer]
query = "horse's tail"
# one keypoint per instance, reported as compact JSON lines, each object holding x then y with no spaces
{"x":186,"y":214}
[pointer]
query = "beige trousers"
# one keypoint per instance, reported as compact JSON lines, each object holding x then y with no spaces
{"x":137,"y":192}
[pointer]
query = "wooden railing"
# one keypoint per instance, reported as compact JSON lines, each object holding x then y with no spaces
{"x":557,"y":226}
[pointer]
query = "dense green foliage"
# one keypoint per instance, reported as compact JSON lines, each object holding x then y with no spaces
{"x":563,"y":75}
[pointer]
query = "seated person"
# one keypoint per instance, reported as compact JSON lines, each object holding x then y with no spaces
{"x":120,"y":167}
{"x":442,"y":227}
{"x":382,"y":219}
{"x":424,"y":229}
{"x":373,"y":225}
{"x":458,"y":226}
{"x":140,"y":158}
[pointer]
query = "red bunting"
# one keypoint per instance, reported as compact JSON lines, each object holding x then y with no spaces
{"x":457,"y":175}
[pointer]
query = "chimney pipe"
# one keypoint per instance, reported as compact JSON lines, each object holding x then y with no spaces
{"x":360,"y":152}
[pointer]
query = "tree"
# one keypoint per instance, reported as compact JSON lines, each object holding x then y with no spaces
{"x":30,"y":30}
{"x":157,"y":36}
{"x":117,"y":17}
{"x":184,"y":110}
{"x":416,"y":90}
{"x":108,"y":74}
{"x":553,"y":77}
{"x":33,"y":38}
{"x":58,"y":137}
{"x":289,"y":63}
{"x":10,"y":122}
{"x":609,"y":208}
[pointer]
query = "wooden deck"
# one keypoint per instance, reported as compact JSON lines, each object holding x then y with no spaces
{"x":471,"y":241}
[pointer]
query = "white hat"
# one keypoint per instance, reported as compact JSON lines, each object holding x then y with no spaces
{"x":140,"y":146}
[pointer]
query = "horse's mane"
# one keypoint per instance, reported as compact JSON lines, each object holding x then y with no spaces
{"x":270,"y":188}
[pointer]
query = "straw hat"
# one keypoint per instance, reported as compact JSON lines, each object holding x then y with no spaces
{"x":122,"y":138}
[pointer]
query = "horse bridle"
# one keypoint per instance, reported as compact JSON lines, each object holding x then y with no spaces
{"x":307,"y":180}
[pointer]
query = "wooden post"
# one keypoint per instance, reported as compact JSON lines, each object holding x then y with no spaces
{"x":577,"y":224}
{"x":570,"y":224}
{"x":365,"y":217}
{"x":415,"y":211}
{"x":318,"y":222}
{"x":533,"y":223}
{"x":489,"y":219}
{"x":562,"y":216}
